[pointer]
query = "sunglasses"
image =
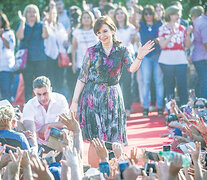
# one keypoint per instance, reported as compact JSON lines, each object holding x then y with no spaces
{"x":148,"y":14}
{"x":199,"y":106}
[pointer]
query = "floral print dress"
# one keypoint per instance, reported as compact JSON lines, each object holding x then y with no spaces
{"x":102,"y":111}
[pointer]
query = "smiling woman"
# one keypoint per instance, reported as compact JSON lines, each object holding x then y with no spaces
{"x":102,"y":112}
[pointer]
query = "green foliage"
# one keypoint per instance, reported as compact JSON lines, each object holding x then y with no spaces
{"x":11,"y":7}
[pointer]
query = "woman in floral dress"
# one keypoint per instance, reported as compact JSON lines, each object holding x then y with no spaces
{"x":102,"y":111}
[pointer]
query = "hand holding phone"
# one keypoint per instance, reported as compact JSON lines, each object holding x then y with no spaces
{"x":148,"y":166}
{"x":122,"y":166}
{"x":104,"y":168}
{"x":152,"y":156}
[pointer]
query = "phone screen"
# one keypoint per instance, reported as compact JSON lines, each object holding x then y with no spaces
{"x":111,"y":155}
{"x":56,"y":133}
{"x":122,"y":166}
{"x":148,"y":166}
{"x":108,"y":145}
{"x":166,"y":147}
{"x":104,"y":168}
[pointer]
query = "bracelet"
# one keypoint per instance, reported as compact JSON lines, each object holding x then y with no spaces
{"x":1,"y":36}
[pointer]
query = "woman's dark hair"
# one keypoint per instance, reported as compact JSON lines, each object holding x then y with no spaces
{"x":91,"y":16}
{"x":108,"y":21}
{"x":75,"y":15}
{"x":5,"y":22}
{"x":107,"y":8}
{"x":150,"y":9}
{"x":126,"y":23}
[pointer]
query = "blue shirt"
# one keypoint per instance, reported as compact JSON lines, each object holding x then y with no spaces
{"x":34,"y":42}
{"x":14,"y":138}
{"x":150,"y":33}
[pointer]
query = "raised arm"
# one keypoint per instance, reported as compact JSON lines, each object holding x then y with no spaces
{"x":142,"y":51}
{"x":20,"y":30}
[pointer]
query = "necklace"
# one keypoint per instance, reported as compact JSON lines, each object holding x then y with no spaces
{"x":149,"y":27}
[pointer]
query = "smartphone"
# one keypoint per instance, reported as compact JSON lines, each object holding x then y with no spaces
{"x":49,"y":159}
{"x":152,"y":156}
{"x":166,"y":147}
{"x":148,"y":166}
{"x":40,"y":151}
{"x":168,"y":105}
{"x":56,"y":133}
{"x":111,"y":155}
{"x":104,"y":168}
{"x":9,"y":147}
{"x":122,"y":166}
{"x":108,"y":145}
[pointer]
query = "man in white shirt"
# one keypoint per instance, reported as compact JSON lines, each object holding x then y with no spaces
{"x":41,"y":113}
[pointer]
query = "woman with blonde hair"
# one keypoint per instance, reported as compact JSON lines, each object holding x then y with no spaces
{"x":7,"y":134}
{"x":31,"y":33}
{"x":54,"y":44}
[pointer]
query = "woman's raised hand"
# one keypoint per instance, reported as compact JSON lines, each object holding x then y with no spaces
{"x":145,"y":49}
{"x":21,"y":17}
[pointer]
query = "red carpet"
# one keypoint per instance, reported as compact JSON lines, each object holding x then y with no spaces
{"x":142,"y":132}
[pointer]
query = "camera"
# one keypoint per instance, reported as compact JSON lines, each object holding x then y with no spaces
{"x":122,"y":166}
{"x":9,"y":147}
{"x":166,"y":147}
{"x":152,"y":156}
{"x":56,"y":133}
{"x":108,"y":145}
{"x":148,"y":166}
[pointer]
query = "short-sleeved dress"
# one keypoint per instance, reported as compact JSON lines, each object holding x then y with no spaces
{"x":102,"y":111}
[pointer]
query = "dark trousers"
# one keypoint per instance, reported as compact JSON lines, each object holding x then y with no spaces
{"x":5,"y":84}
{"x":55,"y":74}
{"x":201,"y":68}
{"x":175,"y":75}
{"x":32,"y":70}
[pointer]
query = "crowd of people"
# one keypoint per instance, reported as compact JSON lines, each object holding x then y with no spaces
{"x":150,"y":51}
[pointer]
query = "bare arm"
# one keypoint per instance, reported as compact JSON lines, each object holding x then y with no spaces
{"x":142,"y":51}
{"x":6,"y":43}
{"x":187,"y":41}
{"x":74,"y":48}
{"x":30,"y":126}
{"x":164,"y":42}
{"x":78,"y":89}
{"x":45,"y":30}
{"x":20,"y":31}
